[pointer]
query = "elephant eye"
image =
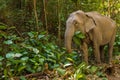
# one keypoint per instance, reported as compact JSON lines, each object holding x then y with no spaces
{"x":75,"y":23}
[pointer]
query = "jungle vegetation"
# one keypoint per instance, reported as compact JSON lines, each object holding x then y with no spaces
{"x":32,"y":40}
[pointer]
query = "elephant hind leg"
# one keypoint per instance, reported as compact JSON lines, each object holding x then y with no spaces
{"x":110,"y":47}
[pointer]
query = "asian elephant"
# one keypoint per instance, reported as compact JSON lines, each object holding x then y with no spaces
{"x":98,"y":29}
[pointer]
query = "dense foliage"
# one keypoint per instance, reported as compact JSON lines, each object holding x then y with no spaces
{"x":32,"y":39}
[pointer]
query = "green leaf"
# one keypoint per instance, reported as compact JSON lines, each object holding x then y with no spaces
{"x":82,"y":65}
{"x":79,"y":35}
{"x":100,"y":74}
{"x":22,"y":78}
{"x":35,"y":50}
{"x":8,"y":42}
{"x":17,"y":55}
{"x":40,"y":36}
{"x":10,"y":55}
{"x":1,"y":58}
{"x":76,"y":40}
{"x":3,"y":27}
{"x":80,"y":76}
{"x":51,"y":60}
{"x":56,"y":66}
{"x":70,"y":59}
{"x":93,"y":69}
{"x":31,"y":34}
{"x":67,"y":65}
{"x":21,"y":68}
{"x":24,"y":58}
{"x":77,"y":32}
{"x":118,"y":43}
{"x":104,"y":78}
{"x":5,"y":73}
{"x":41,"y":60}
{"x":12,"y":27}
{"x":60,"y":71}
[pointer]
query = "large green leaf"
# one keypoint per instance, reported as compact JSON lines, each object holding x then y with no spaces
{"x":8,"y":42}
{"x":35,"y":50}
{"x":60,"y":71}
{"x":93,"y":69}
{"x":40,"y":36}
{"x":10,"y":55}
{"x":1,"y":58}
{"x":3,"y":27}
{"x":76,"y":40}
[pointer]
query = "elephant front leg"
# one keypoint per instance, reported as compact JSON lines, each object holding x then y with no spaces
{"x":102,"y":53}
{"x":85,"y":52}
{"x":97,"y":53}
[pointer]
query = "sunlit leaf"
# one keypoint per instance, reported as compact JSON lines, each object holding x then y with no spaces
{"x":24,"y":58}
{"x":93,"y":69}
{"x":10,"y":55}
{"x":67,"y":65}
{"x":40,"y":36}
{"x":118,"y":43}
{"x":79,"y":35}
{"x":17,"y":55}
{"x":31,"y":34}
{"x":35,"y":50}
{"x":79,"y":76}
{"x":70,"y":59}
{"x":41,"y":60}
{"x":8,"y":42}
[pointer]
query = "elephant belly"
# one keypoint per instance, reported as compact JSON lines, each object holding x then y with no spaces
{"x":106,"y":38}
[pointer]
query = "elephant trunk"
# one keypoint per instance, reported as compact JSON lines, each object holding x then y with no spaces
{"x":68,"y":39}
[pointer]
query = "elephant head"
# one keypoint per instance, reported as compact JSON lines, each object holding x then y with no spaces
{"x":77,"y":21}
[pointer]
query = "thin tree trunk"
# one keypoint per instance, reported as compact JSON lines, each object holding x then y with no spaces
{"x":109,"y":8}
{"x":59,"y":23}
{"x":36,"y":16}
{"x":46,"y":24}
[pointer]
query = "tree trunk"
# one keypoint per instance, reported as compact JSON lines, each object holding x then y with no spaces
{"x":45,"y":12}
{"x":59,"y":23}
{"x":109,"y":8}
{"x":36,"y":16}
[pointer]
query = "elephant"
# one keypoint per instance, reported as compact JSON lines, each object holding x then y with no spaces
{"x":99,"y":30}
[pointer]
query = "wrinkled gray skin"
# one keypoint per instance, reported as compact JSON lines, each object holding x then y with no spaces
{"x":99,"y":31}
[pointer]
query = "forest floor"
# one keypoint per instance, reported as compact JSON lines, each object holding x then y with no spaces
{"x":112,"y":72}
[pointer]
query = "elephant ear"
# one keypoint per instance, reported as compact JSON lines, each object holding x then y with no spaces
{"x":90,"y":23}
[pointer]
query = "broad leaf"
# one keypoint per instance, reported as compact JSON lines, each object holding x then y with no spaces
{"x":8,"y":42}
